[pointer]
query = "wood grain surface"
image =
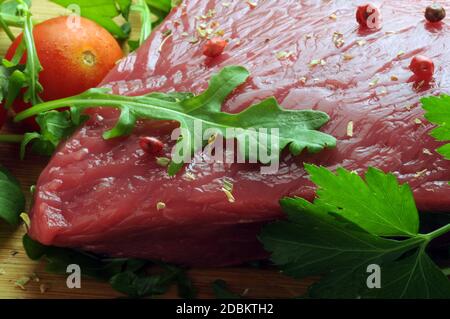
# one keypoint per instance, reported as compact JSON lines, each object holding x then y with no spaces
{"x":15,"y":265}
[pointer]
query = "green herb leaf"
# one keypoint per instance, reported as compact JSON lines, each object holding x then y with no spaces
{"x":12,"y":200}
{"x":221,"y":291}
{"x":127,"y":276}
{"x":297,"y":129}
{"x":318,"y":239}
{"x":32,"y":66}
{"x":55,"y":127}
{"x":438,"y":112}
{"x":382,"y":206}
{"x":103,"y":12}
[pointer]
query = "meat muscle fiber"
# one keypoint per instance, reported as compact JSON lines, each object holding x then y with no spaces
{"x":101,"y":196}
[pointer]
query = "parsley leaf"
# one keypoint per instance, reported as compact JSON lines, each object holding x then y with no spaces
{"x":382,"y":206}
{"x":319,"y":239}
{"x":295,"y":129}
{"x":103,"y":12}
{"x":12,"y":200}
{"x":128,"y":276}
{"x":438,"y":112}
{"x":221,"y":291}
{"x":55,"y":127}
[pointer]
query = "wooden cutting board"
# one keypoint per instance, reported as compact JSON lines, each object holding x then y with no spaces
{"x":14,"y":264}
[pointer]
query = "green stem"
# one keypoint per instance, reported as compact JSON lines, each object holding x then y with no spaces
{"x":438,"y":232}
{"x":11,"y":138}
{"x":6,"y":28}
{"x":446,"y":271}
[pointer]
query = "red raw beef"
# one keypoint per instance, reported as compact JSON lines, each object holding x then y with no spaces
{"x":101,"y":196}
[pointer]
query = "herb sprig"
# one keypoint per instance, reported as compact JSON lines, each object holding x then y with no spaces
{"x":340,"y":234}
{"x":297,"y":129}
{"x":128,"y":276}
{"x":12,"y":200}
{"x":438,"y":112}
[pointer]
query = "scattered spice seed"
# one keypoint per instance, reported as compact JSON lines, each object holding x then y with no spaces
{"x":348,"y":57}
{"x":333,"y":17}
{"x":374,"y":82}
{"x":160,"y":205}
{"x":303,"y":80}
{"x":350,"y":129}
{"x":150,"y":145}
{"x":163,"y":161}
{"x":164,"y":41}
{"x":188,"y":176}
{"x":214,"y":47}
{"x":435,"y":13}
{"x":400,"y":53}
{"x":283,"y":55}
{"x":193,"y":40}
{"x":394,"y":78}
{"x":361,"y":42}
{"x":427,"y":151}
{"x":252,"y":4}
{"x":338,"y":39}
{"x":417,"y":121}
{"x":227,"y":188}
{"x":421,"y":173}
{"x":43,"y":288}
{"x":22,"y":282}
{"x":317,"y":62}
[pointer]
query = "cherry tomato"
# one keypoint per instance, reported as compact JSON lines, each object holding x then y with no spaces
{"x":368,"y":16}
{"x":214,"y":47}
{"x":422,"y":67}
{"x":74,"y":57}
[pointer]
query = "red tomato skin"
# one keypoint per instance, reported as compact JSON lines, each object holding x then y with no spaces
{"x":73,"y":59}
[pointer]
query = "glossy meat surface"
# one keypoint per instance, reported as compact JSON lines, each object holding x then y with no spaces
{"x":101,"y":195}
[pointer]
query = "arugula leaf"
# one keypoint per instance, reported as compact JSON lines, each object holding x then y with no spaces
{"x":10,"y":16}
{"x":438,"y":112}
{"x":32,"y":66}
{"x":221,"y":291}
{"x":12,"y":200}
{"x":297,"y":129}
{"x":103,"y":12}
{"x":382,"y":206}
{"x":318,"y":239}
{"x":55,"y":127}
{"x":161,"y":8}
{"x":127,"y":276}
{"x":28,"y":76}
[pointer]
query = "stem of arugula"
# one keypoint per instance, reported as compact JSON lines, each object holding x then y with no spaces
{"x":6,"y":28}
{"x":438,"y":232}
{"x":11,"y":138}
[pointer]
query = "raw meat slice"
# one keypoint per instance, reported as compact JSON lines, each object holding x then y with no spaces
{"x":101,"y":196}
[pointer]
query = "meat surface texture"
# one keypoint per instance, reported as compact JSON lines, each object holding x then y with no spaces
{"x":101,"y":196}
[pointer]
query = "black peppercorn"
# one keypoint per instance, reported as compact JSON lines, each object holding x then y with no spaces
{"x":435,"y":13}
